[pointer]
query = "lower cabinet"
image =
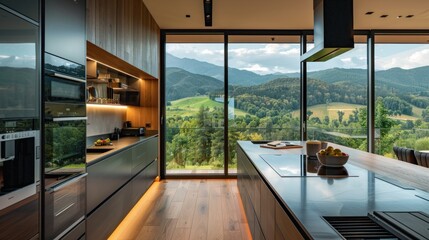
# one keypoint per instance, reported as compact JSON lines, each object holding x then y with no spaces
{"x":77,"y":233}
{"x":266,"y":218}
{"x":115,"y":184}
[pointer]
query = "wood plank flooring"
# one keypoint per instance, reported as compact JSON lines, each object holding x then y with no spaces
{"x":187,"y":210}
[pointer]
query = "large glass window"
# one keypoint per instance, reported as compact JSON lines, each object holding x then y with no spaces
{"x":402,"y":93}
{"x":264,"y":90}
{"x":337,"y":97}
{"x":194,"y":91}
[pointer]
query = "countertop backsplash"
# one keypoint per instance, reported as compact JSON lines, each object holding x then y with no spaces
{"x":103,"y":120}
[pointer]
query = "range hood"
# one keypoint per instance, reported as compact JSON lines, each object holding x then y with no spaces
{"x":333,"y":30}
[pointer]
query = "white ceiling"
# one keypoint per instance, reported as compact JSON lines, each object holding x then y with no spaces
{"x":284,"y":14}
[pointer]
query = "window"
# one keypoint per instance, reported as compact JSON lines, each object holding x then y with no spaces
{"x":402,"y":93}
{"x":337,"y":97}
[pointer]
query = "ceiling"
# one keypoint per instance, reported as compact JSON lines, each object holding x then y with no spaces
{"x":284,"y":14}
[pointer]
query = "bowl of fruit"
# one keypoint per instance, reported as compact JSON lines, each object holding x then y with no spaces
{"x":332,"y":157}
{"x":103,"y":142}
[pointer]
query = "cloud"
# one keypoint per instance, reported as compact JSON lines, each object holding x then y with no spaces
{"x":404,"y":56}
{"x":256,"y":68}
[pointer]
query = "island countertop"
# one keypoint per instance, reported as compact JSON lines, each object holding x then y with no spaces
{"x":118,"y":146}
{"x":374,"y":183}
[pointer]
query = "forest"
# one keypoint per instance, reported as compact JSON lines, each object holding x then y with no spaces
{"x":196,"y":140}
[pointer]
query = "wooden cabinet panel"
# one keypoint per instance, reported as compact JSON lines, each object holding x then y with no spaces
{"x":267,"y":220}
{"x":284,"y":226}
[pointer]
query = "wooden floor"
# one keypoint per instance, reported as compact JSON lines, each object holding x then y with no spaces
{"x":187,"y":209}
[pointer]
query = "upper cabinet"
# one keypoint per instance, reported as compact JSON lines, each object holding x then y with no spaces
{"x":126,"y":29}
{"x":65,"y":29}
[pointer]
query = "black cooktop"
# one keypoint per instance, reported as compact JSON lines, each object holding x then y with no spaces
{"x":297,"y":165}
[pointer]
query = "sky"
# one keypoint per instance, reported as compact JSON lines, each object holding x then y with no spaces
{"x":284,"y":58}
{"x":19,"y":55}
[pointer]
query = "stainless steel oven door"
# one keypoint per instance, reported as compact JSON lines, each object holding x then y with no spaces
{"x":65,"y":206}
{"x":65,"y":149}
{"x":19,"y":166}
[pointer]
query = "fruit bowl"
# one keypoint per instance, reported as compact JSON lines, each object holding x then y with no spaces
{"x":332,"y":160}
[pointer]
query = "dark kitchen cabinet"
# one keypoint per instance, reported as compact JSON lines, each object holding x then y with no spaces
{"x":116,"y":183}
{"x":106,"y":177}
{"x":28,"y":8}
{"x":65,"y":29}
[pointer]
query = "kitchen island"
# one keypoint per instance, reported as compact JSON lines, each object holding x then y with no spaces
{"x":285,"y":195}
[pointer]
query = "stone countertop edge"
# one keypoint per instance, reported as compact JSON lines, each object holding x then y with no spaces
{"x":119,"y":145}
{"x":307,"y":199}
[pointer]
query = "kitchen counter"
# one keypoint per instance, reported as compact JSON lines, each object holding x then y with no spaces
{"x":118,"y":145}
{"x":371,"y":183}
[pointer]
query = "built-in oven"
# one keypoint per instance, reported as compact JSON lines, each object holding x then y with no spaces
{"x":64,"y":145}
{"x":19,"y":166}
{"x":64,"y":173}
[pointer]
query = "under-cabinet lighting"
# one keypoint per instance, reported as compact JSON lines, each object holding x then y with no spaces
{"x":106,"y":106}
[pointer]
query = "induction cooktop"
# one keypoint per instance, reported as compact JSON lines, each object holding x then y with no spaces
{"x":297,"y":165}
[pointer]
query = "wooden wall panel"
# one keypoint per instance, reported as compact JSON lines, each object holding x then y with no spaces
{"x":148,"y":110}
{"x":105,"y":25}
{"x":90,"y":20}
{"x":126,"y":29}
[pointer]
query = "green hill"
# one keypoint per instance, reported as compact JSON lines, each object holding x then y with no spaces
{"x":189,"y":106}
{"x":182,"y":84}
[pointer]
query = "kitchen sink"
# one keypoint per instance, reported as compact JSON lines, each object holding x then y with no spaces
{"x":97,"y":150}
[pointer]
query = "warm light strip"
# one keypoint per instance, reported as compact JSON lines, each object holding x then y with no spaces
{"x":106,"y":106}
{"x":113,"y":68}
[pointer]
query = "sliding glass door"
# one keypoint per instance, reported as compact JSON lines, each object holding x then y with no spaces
{"x":194,"y":92}
{"x":263,"y":90}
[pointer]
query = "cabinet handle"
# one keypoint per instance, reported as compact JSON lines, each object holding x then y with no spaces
{"x":69,"y":119}
{"x":7,"y":159}
{"x":65,"y":184}
{"x":58,"y":75}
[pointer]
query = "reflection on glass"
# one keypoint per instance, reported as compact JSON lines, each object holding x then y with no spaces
{"x":18,"y":75}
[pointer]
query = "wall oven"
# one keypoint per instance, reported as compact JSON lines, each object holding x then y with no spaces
{"x":64,"y":145}
{"x":19,"y":166}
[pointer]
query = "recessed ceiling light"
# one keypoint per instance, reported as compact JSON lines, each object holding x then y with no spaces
{"x":369,"y":13}
{"x":384,"y":16}
{"x":188,"y":16}
{"x":409,"y":16}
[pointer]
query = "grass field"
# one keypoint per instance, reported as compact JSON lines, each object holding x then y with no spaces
{"x":331,"y":109}
{"x":189,"y":106}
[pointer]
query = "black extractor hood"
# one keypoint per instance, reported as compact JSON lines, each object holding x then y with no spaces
{"x":333,"y":30}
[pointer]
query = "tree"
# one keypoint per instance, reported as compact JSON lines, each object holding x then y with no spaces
{"x":340,"y":116}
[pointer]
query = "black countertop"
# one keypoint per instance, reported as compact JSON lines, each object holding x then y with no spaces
{"x":310,"y":196}
{"x":118,"y":146}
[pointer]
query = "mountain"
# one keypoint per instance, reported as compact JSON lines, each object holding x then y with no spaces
{"x":401,"y":80}
{"x":236,"y":76}
{"x":181,"y":84}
